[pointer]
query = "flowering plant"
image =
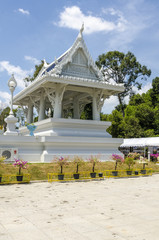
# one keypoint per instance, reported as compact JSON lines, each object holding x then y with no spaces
{"x":61,"y":161}
{"x":93,"y":160}
{"x":78,"y":161}
{"x":134,"y":155}
{"x":154,"y":157}
{"x":118,"y":159}
{"x":129,"y":161}
{"x":20,"y":164}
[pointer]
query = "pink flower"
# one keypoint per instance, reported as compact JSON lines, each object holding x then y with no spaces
{"x":20,"y":164}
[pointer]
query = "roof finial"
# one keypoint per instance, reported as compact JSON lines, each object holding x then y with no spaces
{"x":45,"y":63}
{"x":81,"y":30}
{"x":56,"y":62}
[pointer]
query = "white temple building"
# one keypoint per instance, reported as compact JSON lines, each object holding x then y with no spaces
{"x":59,"y":94}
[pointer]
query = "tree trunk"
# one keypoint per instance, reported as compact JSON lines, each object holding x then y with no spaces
{"x":121,"y":104}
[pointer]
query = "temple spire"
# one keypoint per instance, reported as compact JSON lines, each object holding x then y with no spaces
{"x":81,"y":30}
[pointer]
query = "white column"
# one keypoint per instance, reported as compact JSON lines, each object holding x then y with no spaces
{"x":30,"y":113}
{"x":42,"y":108}
{"x":76,"y":114}
{"x":96,"y":113}
{"x":57,"y":106}
{"x":58,"y":100}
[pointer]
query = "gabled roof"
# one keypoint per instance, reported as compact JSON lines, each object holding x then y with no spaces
{"x":56,"y":67}
{"x":74,"y":68}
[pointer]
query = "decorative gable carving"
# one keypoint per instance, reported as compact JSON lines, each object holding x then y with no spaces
{"x":71,"y":69}
{"x":80,"y":58}
{"x":79,"y":66}
{"x":75,"y":62}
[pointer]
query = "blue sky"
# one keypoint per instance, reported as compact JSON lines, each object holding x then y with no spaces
{"x":33,"y":30}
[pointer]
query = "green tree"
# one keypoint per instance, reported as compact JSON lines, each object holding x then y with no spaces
{"x":136,"y":99}
{"x":123,"y":68}
{"x":154,"y":92}
{"x":117,"y":127}
{"x":4,"y":113}
{"x":145,"y":114}
{"x":133,"y":128}
{"x":36,"y":72}
{"x":87,"y":113}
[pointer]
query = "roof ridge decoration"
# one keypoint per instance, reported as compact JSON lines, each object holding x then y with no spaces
{"x":57,"y":65}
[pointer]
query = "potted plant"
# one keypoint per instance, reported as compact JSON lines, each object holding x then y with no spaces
{"x":118,"y":160}
{"x":130,"y":162}
{"x":154,"y":157}
{"x":21,"y":165}
{"x":78,"y":161}
{"x":93,"y":160}
{"x":61,"y":161}
{"x":143,"y":161}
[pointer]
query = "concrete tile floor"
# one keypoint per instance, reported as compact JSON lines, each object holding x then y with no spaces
{"x":113,"y":209}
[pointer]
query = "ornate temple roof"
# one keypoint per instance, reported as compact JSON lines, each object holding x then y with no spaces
{"x":76,"y":68}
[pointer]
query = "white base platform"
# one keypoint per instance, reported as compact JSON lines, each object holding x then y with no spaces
{"x":64,"y":137}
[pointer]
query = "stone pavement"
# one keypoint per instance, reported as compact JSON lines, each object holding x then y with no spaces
{"x":113,"y":209}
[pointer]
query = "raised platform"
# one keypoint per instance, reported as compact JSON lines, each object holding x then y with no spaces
{"x":69,"y":127}
{"x":64,"y":137}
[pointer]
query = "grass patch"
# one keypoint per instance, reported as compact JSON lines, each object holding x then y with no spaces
{"x":39,"y":171}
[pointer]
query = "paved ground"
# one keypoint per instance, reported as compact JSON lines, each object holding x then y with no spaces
{"x":113,"y":209}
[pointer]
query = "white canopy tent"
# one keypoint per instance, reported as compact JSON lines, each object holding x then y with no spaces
{"x":140,"y":142}
{"x":140,"y":145}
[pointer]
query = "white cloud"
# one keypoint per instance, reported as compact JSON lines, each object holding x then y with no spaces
{"x":32,"y":59}
{"x":73,"y":17}
{"x":25,"y":12}
{"x":138,"y":18}
{"x":4,"y":99}
{"x":19,"y":73}
{"x":110,"y":104}
{"x":5,"y":95}
{"x":144,"y":89}
{"x":3,"y":104}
